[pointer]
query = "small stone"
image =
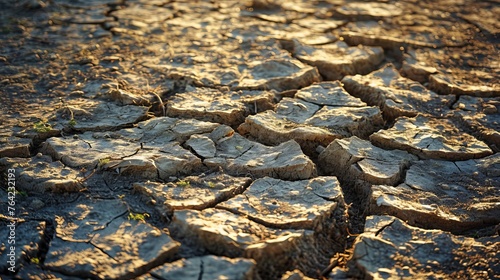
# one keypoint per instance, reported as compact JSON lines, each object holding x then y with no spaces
{"x":490,"y":109}
{"x":34,"y":4}
{"x":37,"y":204}
{"x":128,"y":98}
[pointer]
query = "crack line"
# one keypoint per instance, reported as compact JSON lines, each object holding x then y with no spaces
{"x":200,"y":276}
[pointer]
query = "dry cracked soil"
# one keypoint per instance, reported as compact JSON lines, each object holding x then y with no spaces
{"x":325,"y":139}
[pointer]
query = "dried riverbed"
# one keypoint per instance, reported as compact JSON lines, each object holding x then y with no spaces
{"x":261,"y":140}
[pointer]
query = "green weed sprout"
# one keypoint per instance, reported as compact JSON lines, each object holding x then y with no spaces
{"x":72,"y":122}
{"x":138,"y":216}
{"x":42,"y":126}
{"x":183,"y":183}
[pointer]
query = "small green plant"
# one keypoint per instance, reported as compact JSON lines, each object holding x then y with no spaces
{"x":102,"y":162}
{"x":211,"y":184}
{"x":35,"y":260}
{"x":21,"y":193}
{"x":138,"y":216}
{"x":183,"y":183}
{"x":72,"y":122}
{"x":42,"y":126}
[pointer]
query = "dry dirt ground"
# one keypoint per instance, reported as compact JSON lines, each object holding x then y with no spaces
{"x":327,"y":139}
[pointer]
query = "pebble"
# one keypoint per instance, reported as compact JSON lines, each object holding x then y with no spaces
{"x":37,"y":204}
{"x":490,"y":109}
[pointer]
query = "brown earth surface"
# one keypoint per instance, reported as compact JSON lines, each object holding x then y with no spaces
{"x":265,"y":139}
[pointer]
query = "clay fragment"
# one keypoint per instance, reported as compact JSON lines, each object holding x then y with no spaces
{"x":352,"y":159}
{"x":395,"y":95}
{"x":430,"y":138}
{"x":452,"y":196}
{"x":389,"y":248}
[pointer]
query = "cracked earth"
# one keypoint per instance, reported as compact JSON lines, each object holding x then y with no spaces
{"x":263,"y":139}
